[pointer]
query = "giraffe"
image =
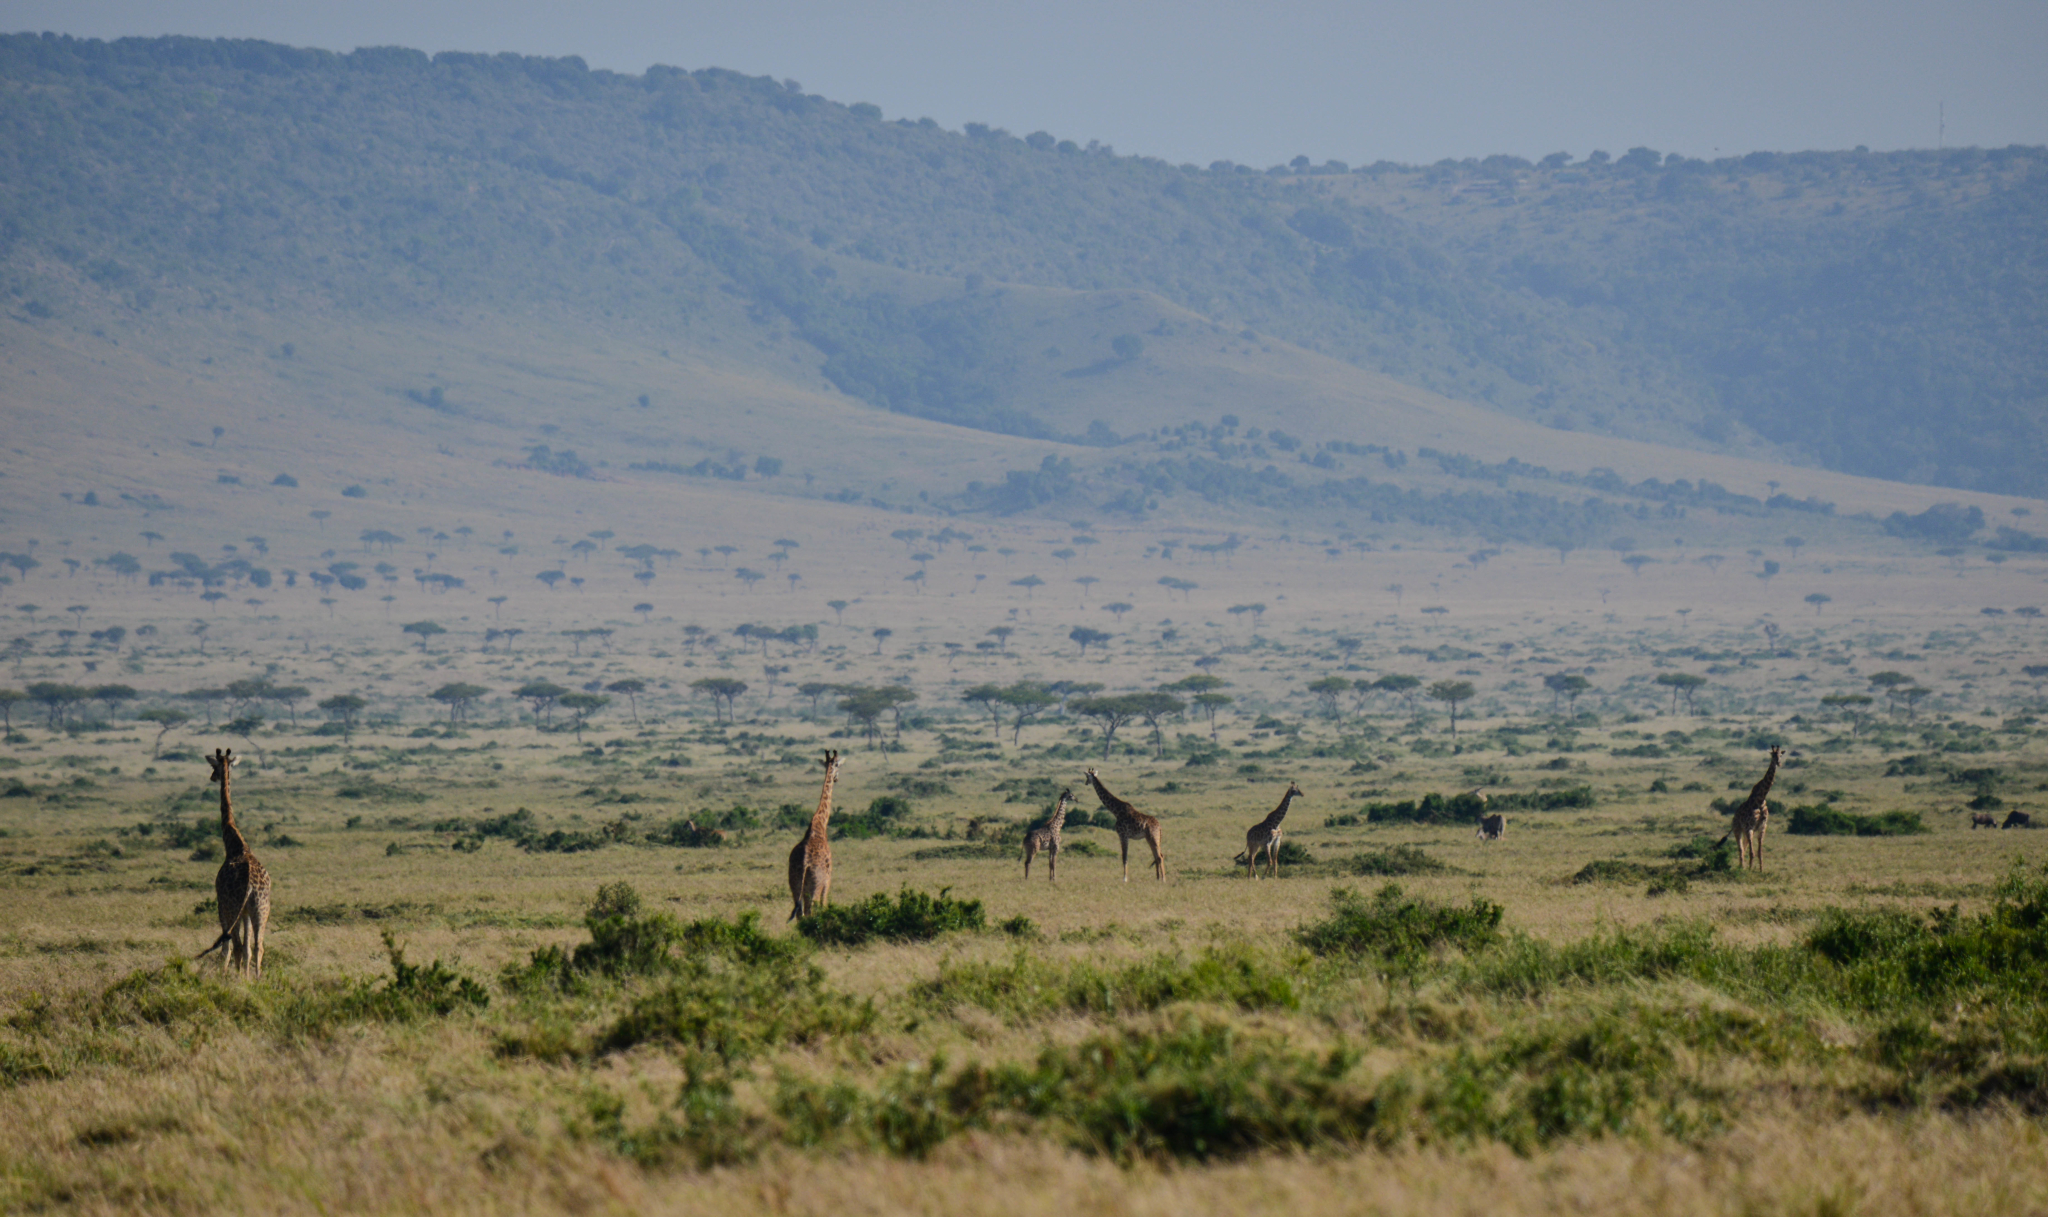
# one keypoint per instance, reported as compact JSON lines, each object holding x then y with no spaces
{"x":1047,"y":837}
{"x":1266,"y":835}
{"x":1753,"y":817}
{"x":1131,"y":824}
{"x":810,"y":863}
{"x":242,"y":886}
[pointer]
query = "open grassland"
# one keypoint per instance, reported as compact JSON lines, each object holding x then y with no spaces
{"x":529,"y":952}
{"x":511,"y":966}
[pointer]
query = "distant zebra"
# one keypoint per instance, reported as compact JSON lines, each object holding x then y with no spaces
{"x":1493,"y":827}
{"x":2017,"y":819}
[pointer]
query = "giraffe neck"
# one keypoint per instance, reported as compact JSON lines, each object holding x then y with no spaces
{"x":1117,"y":807}
{"x":230,"y":836}
{"x":1059,"y":814}
{"x":1762,"y":790}
{"x":823,"y":815}
{"x":1280,"y":812}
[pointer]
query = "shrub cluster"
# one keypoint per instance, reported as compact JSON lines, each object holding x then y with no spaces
{"x":914,"y":916}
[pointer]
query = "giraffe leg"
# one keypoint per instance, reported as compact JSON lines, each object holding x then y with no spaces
{"x":259,"y":922}
{"x":1273,"y":854}
{"x":1030,"y":848}
{"x":1158,"y":855}
{"x":1052,"y":863}
{"x":1126,"y":843}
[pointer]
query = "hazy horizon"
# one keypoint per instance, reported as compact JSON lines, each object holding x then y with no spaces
{"x":1214,"y":82}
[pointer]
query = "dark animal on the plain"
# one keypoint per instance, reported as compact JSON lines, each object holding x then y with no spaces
{"x":1493,"y":827}
{"x":1983,"y":819}
{"x":2017,"y":819}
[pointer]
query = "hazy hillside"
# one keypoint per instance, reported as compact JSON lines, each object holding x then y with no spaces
{"x":1880,"y":314}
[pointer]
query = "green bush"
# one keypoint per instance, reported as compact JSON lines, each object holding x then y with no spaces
{"x":883,"y":817}
{"x":1194,"y":1091}
{"x":913,"y":916}
{"x":730,"y":1010}
{"x":1398,"y":860}
{"x":1822,"y":820}
{"x":1888,"y":958}
{"x":1029,"y":986}
{"x":625,"y":943}
{"x":1400,"y":930}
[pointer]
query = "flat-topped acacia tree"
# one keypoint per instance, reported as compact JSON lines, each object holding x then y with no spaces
{"x":1451,"y":692}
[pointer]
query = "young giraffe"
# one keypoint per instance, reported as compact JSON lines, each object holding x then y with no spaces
{"x":242,"y":887}
{"x":1753,"y":817}
{"x":1131,"y":824}
{"x":810,"y":863}
{"x":1046,"y":837}
{"x":1266,"y":835}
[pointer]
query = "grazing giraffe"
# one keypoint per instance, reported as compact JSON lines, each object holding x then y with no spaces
{"x":242,"y":886}
{"x":1753,"y":818}
{"x":1131,"y":824}
{"x":1046,"y":837}
{"x":810,"y":863}
{"x":1266,"y":835}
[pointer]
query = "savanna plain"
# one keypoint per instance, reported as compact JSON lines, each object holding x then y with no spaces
{"x":529,"y":947}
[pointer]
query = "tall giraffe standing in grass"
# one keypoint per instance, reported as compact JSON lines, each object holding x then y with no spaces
{"x":1131,"y":825}
{"x":1754,"y":817}
{"x":242,"y":886}
{"x":1266,"y":835}
{"x":1046,"y":837}
{"x":810,"y":863}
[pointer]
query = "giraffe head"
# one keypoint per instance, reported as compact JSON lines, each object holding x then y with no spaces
{"x":1066,"y":798}
{"x":1294,"y":791}
{"x":1777,"y":754}
{"x":222,"y":760}
{"x":831,"y":763}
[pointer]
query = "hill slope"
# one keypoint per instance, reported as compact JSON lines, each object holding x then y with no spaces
{"x":1879,"y":314}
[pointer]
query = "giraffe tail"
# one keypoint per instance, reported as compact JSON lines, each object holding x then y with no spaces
{"x":226,"y":935}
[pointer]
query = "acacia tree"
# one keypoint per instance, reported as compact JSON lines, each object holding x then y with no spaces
{"x":631,"y":687}
{"x":1568,"y":686}
{"x":583,"y":705}
{"x":457,"y":695}
{"x":344,"y":707}
{"x":866,"y":707}
{"x":882,"y":635}
{"x":245,"y":726}
{"x":165,"y":718}
{"x":1451,"y":692}
{"x":814,"y":689}
{"x":990,"y":698}
{"x":1681,"y":684}
{"x":543,"y":694}
{"x":722,"y":689}
{"x":1889,"y":684}
{"x":1111,"y":712}
{"x":1400,"y":686}
{"x":425,"y":629}
{"x":1083,"y":635}
{"x":1328,"y":690}
{"x":1026,"y":700}
{"x":1119,"y":608}
{"x":1155,"y":708}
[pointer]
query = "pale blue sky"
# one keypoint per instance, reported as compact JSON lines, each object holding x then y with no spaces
{"x":1202,"y":80}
